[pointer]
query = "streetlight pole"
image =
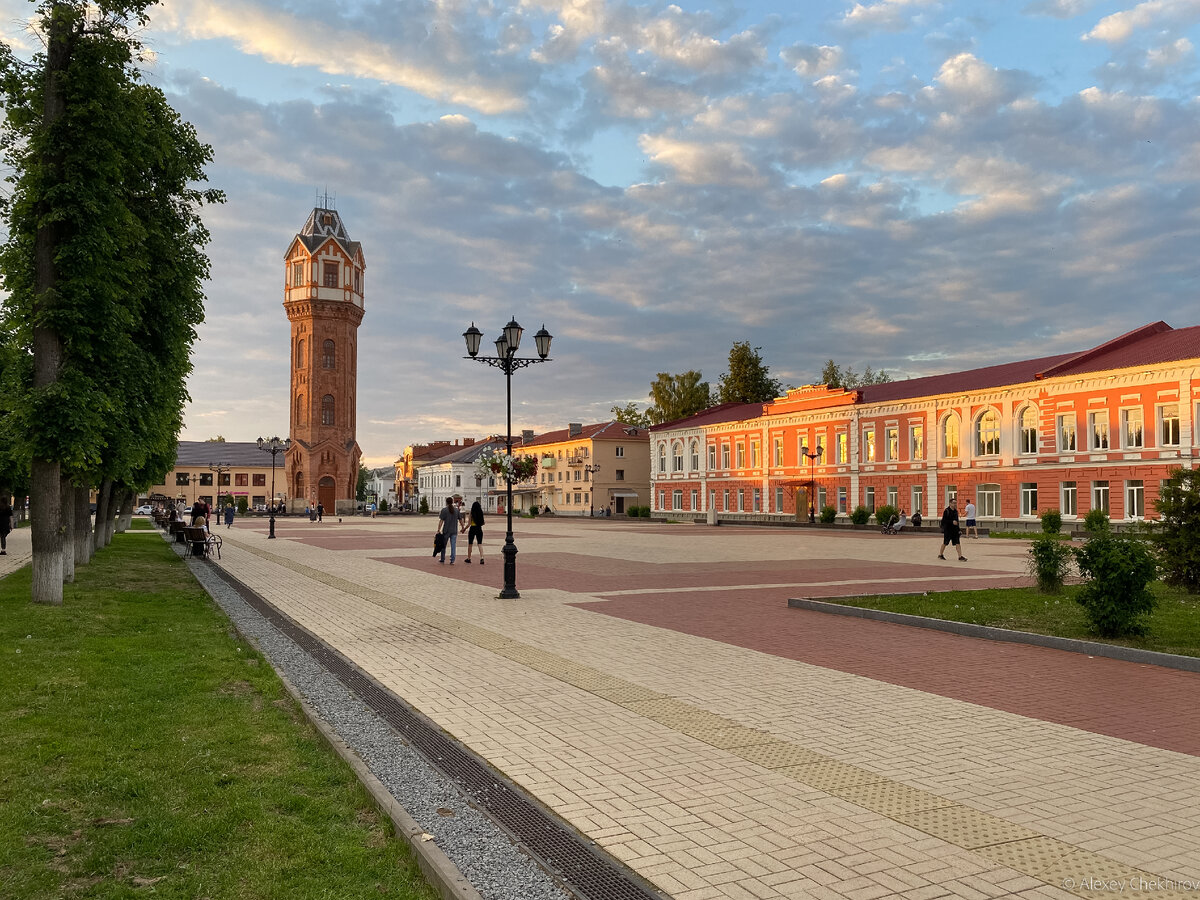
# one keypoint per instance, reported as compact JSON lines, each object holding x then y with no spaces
{"x":812,"y":457}
{"x":591,"y":470}
{"x":220,"y":468}
{"x":195,"y":481}
{"x":507,"y":361}
{"x":479,"y":489}
{"x":274,"y":446}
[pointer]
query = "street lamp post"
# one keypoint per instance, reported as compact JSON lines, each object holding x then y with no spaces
{"x":592,"y":470}
{"x":220,"y":468}
{"x":195,"y":481}
{"x":507,"y":361}
{"x":812,"y":457}
{"x":479,"y":489}
{"x":274,"y":446}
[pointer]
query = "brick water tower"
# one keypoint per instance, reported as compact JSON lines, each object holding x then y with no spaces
{"x":323,"y":297}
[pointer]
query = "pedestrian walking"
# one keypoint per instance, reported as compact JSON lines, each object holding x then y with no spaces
{"x":970,"y":511}
{"x":6,"y":525}
{"x":448,"y":526}
{"x":320,"y":512}
{"x":229,"y":515}
{"x":950,"y":531}
{"x":475,"y":530}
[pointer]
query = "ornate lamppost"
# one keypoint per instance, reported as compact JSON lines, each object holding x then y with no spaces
{"x":220,"y":468}
{"x":812,"y":457}
{"x":195,"y":481}
{"x":274,"y":446}
{"x":592,"y":470}
{"x":507,"y":361}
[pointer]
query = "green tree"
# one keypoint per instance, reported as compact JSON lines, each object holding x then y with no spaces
{"x":631,"y":415}
{"x":1177,"y":534}
{"x":360,"y":492}
{"x":748,"y":379}
{"x":677,"y":396}
{"x":103,"y":251}
{"x":837,"y":376}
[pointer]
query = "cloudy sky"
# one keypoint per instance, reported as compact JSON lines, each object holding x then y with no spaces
{"x":916,"y":185}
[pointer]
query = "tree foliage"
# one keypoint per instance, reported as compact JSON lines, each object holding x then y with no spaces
{"x":631,"y":415}
{"x":837,"y":376}
{"x":748,"y":379}
{"x":1117,"y":596}
{"x":104,"y":266}
{"x":677,"y":396}
{"x":1177,"y":534}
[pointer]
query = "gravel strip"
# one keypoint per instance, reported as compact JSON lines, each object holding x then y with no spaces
{"x":484,"y":853}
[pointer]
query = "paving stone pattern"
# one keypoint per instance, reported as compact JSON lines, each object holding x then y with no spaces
{"x":737,"y":760}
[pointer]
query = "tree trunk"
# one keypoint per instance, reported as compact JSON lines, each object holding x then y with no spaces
{"x":83,"y":525}
{"x":45,"y":479}
{"x":66,"y":493}
{"x":124,"y":511}
{"x":103,"y":496}
{"x":47,"y":535}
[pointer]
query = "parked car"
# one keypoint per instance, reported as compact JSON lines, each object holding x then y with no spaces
{"x":144,"y":510}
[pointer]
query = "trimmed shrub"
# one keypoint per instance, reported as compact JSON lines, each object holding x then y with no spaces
{"x":1049,"y":562}
{"x":243,"y":506}
{"x":860,"y":515}
{"x":828,"y":515}
{"x":1095,"y":522}
{"x":424,"y":507}
{"x":1118,"y":597}
{"x":884,"y":513}
{"x":1052,"y":521}
{"x":533,"y":511}
{"x":632,"y":511}
{"x":1177,"y":534}
{"x":383,"y":506}
{"x":644,"y":512}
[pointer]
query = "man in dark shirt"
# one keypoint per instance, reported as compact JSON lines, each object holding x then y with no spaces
{"x":950,"y":532}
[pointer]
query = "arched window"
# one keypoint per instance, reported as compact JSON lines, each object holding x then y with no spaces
{"x":1028,"y":438}
{"x":328,"y":355}
{"x":677,"y":457}
{"x":695,"y":455}
{"x":300,"y":353}
{"x":950,"y":436}
{"x":299,"y":409}
{"x":662,"y":458}
{"x":327,"y":409}
{"x":987,"y":434}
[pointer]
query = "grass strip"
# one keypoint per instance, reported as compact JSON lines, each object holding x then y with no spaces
{"x":1173,"y":627}
{"x":147,"y":749}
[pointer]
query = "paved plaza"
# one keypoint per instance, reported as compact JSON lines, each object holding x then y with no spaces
{"x":654,"y":690}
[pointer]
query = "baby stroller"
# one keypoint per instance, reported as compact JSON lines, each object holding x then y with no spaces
{"x":890,"y":527}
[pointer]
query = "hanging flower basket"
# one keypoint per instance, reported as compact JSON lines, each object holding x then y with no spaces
{"x":512,"y":468}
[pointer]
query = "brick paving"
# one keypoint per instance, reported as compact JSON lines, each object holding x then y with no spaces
{"x":652,"y":688}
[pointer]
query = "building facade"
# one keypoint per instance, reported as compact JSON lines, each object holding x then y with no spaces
{"x":323,"y":298}
{"x":206,"y":470}
{"x":1100,"y":429}
{"x":456,"y":474}
{"x":584,"y":470}
{"x":407,"y":482}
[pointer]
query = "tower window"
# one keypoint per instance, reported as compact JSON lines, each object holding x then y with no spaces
{"x":297,"y":274}
{"x":329,"y":274}
{"x":327,"y":409}
{"x":300,"y":353}
{"x":328,"y":356}
{"x":299,"y":409}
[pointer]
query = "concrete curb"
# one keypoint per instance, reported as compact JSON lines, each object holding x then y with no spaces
{"x":987,"y":632}
{"x":439,"y":871}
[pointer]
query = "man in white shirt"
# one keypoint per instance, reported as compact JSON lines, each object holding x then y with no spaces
{"x":972,"y":531}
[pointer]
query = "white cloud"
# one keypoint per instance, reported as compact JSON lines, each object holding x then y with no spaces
{"x":812,"y":60}
{"x":703,"y":163}
{"x":970,"y":83}
{"x":1120,"y":26}
{"x":1058,"y":9}
{"x":884,"y":15}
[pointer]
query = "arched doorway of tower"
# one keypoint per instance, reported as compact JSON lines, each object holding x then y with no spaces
{"x":327,"y":493}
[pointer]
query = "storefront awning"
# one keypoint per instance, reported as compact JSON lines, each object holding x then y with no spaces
{"x":613,"y":492}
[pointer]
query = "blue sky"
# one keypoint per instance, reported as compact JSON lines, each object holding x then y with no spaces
{"x":916,"y":185}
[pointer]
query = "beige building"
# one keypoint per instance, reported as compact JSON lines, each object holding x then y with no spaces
{"x":233,"y":468}
{"x":587,"y":469}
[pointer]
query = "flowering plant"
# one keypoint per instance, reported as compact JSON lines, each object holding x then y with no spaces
{"x":513,"y":468}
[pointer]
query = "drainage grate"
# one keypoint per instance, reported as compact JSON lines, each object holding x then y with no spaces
{"x":582,"y":869}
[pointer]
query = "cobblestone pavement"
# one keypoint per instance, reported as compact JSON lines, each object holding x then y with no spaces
{"x":652,"y":688}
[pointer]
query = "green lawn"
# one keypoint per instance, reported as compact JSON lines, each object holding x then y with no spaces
{"x":1174,"y":627}
{"x":146,"y":749}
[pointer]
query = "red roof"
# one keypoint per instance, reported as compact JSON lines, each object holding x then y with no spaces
{"x":603,"y":431}
{"x":715,"y":415}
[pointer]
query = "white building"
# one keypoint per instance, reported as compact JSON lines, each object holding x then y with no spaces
{"x":456,"y":475}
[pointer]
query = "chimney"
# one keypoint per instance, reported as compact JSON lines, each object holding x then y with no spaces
{"x":574,"y":429}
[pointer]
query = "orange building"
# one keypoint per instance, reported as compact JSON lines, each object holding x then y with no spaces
{"x":1097,"y":429}
{"x":323,"y":297}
